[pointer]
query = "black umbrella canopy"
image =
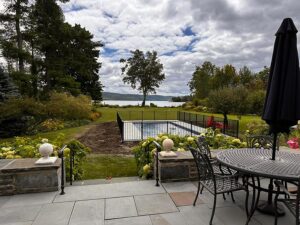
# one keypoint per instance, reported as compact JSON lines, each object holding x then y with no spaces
{"x":282,"y":104}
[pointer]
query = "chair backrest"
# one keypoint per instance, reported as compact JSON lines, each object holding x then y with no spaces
{"x":204,"y":167}
{"x":203,"y":146}
{"x":260,"y":141}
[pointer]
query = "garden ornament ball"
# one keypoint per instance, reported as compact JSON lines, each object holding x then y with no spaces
{"x":168,"y":144}
{"x":46,"y":150}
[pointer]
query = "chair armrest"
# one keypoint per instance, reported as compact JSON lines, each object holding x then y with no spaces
{"x":282,"y":188}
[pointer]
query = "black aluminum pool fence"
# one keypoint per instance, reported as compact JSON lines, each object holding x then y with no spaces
{"x":205,"y":121}
{"x":138,"y":125}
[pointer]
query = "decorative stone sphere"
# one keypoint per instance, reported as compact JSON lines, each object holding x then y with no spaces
{"x":168,"y":144}
{"x":46,"y":150}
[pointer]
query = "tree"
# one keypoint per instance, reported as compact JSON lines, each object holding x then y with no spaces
{"x":201,"y":79}
{"x":7,"y":87}
{"x":245,"y":76}
{"x":224,"y":77}
{"x":228,"y":100}
{"x":143,"y":71}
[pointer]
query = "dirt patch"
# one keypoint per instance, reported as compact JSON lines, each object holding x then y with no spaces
{"x":105,"y":138}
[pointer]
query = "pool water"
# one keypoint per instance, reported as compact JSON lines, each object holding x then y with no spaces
{"x":139,"y":130}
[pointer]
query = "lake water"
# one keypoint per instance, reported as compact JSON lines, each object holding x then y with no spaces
{"x":158,"y":103}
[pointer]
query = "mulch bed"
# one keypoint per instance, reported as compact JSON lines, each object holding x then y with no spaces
{"x":105,"y":138}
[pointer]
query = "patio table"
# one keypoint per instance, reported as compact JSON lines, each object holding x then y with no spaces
{"x":258,"y":163}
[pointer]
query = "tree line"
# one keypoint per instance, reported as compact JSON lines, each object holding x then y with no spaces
{"x":228,"y":90}
{"x":45,"y":54}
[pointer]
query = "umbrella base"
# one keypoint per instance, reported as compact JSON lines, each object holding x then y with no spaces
{"x":267,"y":208}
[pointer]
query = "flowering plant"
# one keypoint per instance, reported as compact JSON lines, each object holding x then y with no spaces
{"x":293,"y":143}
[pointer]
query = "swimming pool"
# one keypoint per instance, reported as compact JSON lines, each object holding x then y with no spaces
{"x":139,"y":130}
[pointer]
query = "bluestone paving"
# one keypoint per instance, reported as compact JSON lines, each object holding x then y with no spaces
{"x":154,"y":204}
{"x":18,"y":214}
{"x":20,"y":223}
{"x":120,"y":207}
{"x":55,"y":214}
{"x":133,"y":188}
{"x":89,"y":212}
{"x":128,"y":203}
{"x":168,"y":219}
{"x":179,"y":187}
{"x":141,"y":220}
{"x":30,"y":199}
{"x":88,"y":192}
{"x":198,"y":215}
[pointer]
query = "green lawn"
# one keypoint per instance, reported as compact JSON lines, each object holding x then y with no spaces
{"x":109,"y":114}
{"x":102,"y":166}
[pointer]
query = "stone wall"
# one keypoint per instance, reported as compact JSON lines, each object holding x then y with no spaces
{"x":180,"y":168}
{"x":24,"y":176}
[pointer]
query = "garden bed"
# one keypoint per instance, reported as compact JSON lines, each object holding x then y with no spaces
{"x":105,"y":138}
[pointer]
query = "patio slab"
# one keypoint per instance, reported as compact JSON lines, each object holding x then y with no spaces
{"x":128,"y":203}
{"x":168,"y":219}
{"x":179,"y":187}
{"x":88,"y":213}
{"x":141,"y":220}
{"x":77,"y":193}
{"x":184,"y":198}
{"x":18,"y":214}
{"x":55,"y":214}
{"x":154,"y":204}
{"x":120,"y":207}
{"x":30,"y":199}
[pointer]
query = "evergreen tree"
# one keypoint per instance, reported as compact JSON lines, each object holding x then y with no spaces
{"x":7,"y":87}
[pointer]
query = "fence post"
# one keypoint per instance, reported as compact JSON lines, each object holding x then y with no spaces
{"x":191,"y":128}
{"x":237,"y":128}
{"x":62,"y":184}
{"x":71,"y":167}
{"x":167,"y":127}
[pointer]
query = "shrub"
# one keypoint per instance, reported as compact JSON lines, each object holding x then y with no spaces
{"x":257,"y":128}
{"x":23,"y":147}
{"x":67,"y":107}
{"x":20,"y":116}
{"x":51,"y":125}
{"x":145,"y":159}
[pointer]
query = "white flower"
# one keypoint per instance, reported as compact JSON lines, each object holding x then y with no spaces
{"x":45,"y":140}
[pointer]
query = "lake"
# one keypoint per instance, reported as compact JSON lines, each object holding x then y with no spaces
{"x":158,"y":103}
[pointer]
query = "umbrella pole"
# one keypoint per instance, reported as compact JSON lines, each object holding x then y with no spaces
{"x":274,"y":146}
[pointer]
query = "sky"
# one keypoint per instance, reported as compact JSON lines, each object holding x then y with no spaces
{"x":185,"y":33}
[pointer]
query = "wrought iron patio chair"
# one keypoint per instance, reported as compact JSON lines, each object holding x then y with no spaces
{"x":215,"y":183}
{"x":261,"y":141}
{"x":292,"y":201}
{"x":204,"y":148}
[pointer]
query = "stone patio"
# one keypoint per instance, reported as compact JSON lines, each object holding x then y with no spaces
{"x":127,"y":203}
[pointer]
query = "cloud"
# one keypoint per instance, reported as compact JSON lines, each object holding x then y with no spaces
{"x":184,"y":33}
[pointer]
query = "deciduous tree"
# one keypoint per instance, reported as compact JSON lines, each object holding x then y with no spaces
{"x":143,"y":72}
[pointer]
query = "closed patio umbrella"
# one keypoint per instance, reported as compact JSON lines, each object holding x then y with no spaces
{"x":282,"y":103}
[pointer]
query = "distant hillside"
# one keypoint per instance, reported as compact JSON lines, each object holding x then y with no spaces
{"x":133,"y":97}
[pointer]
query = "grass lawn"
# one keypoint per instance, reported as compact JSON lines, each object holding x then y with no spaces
{"x":102,"y":166}
{"x":109,"y":114}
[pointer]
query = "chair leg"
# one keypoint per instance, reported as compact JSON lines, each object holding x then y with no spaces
{"x":246,"y":202}
{"x":275,"y":208}
{"x":199,"y":187}
{"x":232,"y":197}
{"x":224,"y":196}
{"x":213,"y":210}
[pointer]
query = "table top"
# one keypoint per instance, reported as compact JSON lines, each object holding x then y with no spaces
{"x":258,"y":162}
